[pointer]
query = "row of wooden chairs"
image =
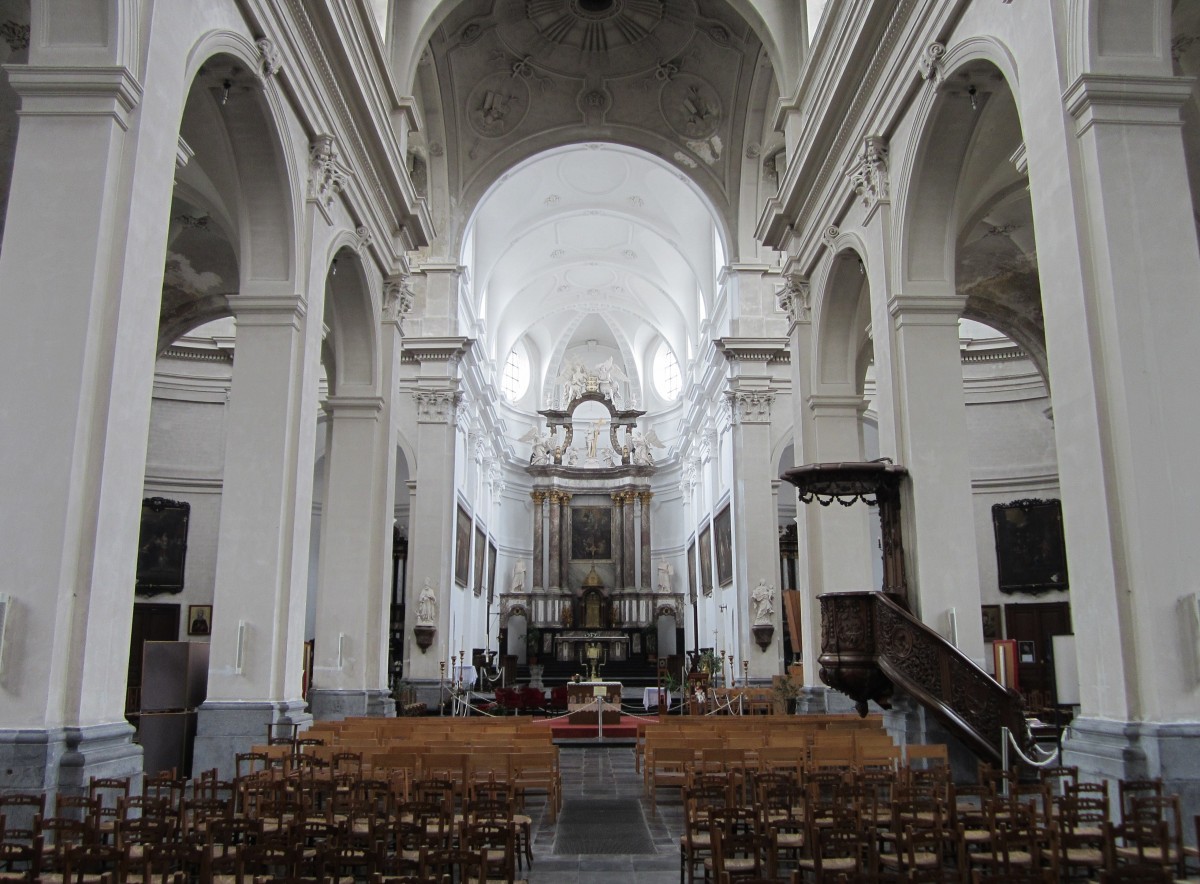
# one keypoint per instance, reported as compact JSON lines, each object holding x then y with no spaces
{"x":303,"y":831}
{"x":875,"y":827}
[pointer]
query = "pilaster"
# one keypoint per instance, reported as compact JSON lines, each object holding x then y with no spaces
{"x":618,"y":537}
{"x":351,"y":587}
{"x":75,"y":460}
{"x":261,"y":591}
{"x":539,"y":539}
{"x":644,"y":550}
{"x":938,"y":511}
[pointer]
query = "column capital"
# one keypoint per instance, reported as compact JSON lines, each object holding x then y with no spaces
{"x":794,"y":299}
{"x":1107,"y":98}
{"x":618,"y":498}
{"x":353,"y":407}
{"x":538,"y":497}
{"x":398,"y":298}
{"x":750,"y":406}
{"x":869,"y":177}
{"x":926,"y":309}
{"x":70,"y":91}
{"x":268,"y":310}
{"x":645,"y":497}
{"x":436,"y":406}
{"x":328,"y":175}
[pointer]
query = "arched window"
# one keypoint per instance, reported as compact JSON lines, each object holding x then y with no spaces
{"x":667,"y":379}
{"x":516,"y":376}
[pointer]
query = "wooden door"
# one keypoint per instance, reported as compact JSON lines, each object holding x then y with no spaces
{"x":1032,"y":626}
{"x":151,"y":623}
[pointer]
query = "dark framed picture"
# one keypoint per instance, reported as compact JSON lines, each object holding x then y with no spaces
{"x":723,"y":529}
{"x":199,"y":620}
{"x":591,"y":532}
{"x":706,"y":572}
{"x":991,"y":622}
{"x":1026,"y":652}
{"x":491,"y":572}
{"x":480,"y":555}
{"x":1030,"y":553}
{"x":162,"y":545}
{"x":691,"y":556}
{"x":462,"y":548}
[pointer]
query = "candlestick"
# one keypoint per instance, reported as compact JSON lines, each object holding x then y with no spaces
{"x":745,"y":673}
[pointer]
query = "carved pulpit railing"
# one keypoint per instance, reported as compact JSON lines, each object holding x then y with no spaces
{"x":871,"y":644}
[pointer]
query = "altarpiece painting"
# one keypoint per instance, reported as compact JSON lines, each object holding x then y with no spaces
{"x":591,"y":532}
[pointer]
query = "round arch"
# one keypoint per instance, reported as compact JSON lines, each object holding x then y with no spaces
{"x":268,"y":174}
{"x":841,"y":315}
{"x":353,"y":341}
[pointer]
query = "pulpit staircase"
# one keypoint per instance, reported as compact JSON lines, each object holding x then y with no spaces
{"x":872,"y":644}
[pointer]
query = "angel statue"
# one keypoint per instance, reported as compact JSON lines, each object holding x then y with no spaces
{"x":610,"y":377}
{"x":540,"y":440}
{"x":642,"y":443}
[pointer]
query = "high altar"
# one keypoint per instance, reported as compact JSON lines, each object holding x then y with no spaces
{"x":591,"y":579}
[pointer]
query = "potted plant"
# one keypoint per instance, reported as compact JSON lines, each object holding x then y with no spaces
{"x":533,"y":644}
{"x":787,"y":691}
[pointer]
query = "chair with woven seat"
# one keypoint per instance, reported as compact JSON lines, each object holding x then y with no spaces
{"x":737,"y":847}
{"x":1083,"y":833}
{"x":836,"y":845}
{"x":1156,"y":808}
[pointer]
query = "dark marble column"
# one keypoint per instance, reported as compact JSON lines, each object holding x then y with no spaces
{"x":618,"y":536}
{"x":565,"y":541}
{"x":645,"y":577}
{"x":538,"y":577}
{"x":629,"y":577}
{"x":555,"y":540}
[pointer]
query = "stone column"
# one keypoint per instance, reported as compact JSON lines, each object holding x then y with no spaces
{"x":627,"y":541}
{"x":645,"y":581}
{"x":937,"y":511}
{"x":795,"y":300}
{"x":538,"y":577}
{"x":618,"y":537}
{"x":1120,"y":382}
{"x":351,"y":597}
{"x":431,"y":535}
{"x":261,"y":590}
{"x":555,"y":575}
{"x":565,"y":544}
{"x":755,"y":545}
{"x":81,"y":305}
{"x":842,"y":534}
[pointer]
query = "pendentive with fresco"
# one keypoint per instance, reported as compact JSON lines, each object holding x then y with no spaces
{"x":592,"y":579}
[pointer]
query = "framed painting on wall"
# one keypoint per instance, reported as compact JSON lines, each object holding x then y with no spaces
{"x":1030,"y":553}
{"x":723,"y":528}
{"x":706,"y":579}
{"x":462,"y":548}
{"x":691,"y":556}
{"x":480,"y":555}
{"x":591,"y":532}
{"x":491,"y":572}
{"x":991,"y":622}
{"x":162,"y":546}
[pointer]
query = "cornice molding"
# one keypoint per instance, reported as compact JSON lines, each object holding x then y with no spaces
{"x":762,"y":350}
{"x":1128,"y":101}
{"x":68,"y":90}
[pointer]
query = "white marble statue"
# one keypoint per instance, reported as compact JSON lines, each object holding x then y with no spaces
{"x":541,"y":440}
{"x":763,"y":599}
{"x":427,"y":605}
{"x":518,"y":580}
{"x":665,"y":571}
{"x":642,"y":443}
{"x":610,"y":378}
